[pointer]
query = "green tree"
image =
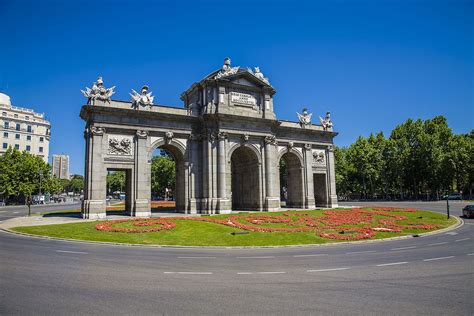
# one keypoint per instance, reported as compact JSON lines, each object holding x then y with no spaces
{"x":163,"y":174}
{"x":116,"y":181}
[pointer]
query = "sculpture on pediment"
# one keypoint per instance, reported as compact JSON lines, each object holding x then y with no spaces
{"x":142,"y":99}
{"x":98,"y":92}
{"x":227,"y":69}
{"x":260,"y":75}
{"x":326,"y":122}
{"x":168,"y":137}
{"x":120,"y":147}
{"x":305,"y":118}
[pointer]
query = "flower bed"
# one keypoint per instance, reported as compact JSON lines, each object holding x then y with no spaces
{"x":346,"y":224}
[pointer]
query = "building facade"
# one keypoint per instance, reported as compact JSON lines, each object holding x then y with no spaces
{"x":61,"y":166}
{"x":23,"y":129}
{"x":226,"y":141}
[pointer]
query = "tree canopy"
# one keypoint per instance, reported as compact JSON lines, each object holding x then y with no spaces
{"x":420,"y":159}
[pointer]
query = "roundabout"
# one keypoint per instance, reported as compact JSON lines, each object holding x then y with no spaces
{"x":427,"y":275}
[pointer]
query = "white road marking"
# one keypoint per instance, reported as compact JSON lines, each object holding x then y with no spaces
{"x":470,"y":254}
{"x":438,"y":243}
{"x":451,"y":233}
{"x":391,"y":264}
{"x":271,"y":272}
{"x":355,"y":252}
{"x":168,"y":272}
{"x":257,"y":257}
{"x":67,"y":251}
{"x":196,"y":257}
{"x":462,"y":239}
{"x":327,"y":270}
{"x":402,"y":248}
{"x":314,"y":255}
{"x":16,"y":212}
{"x":440,"y":258}
{"x":244,"y":273}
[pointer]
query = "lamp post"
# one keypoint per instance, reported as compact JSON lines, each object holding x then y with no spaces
{"x":447,"y":204}
{"x":39,"y":193}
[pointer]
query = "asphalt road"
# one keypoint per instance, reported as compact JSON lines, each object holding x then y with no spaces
{"x":7,"y":212}
{"x":429,"y":275}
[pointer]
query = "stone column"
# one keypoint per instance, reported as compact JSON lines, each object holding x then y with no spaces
{"x":223,"y":204}
{"x":194,"y":165}
{"x":332,"y":202}
{"x":272,"y":200}
{"x":142,"y":189}
{"x":94,"y":204}
{"x":308,"y":177}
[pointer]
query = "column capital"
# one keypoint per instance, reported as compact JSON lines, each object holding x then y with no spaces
{"x":142,"y":134}
{"x":271,"y":140}
{"x":221,"y":135}
{"x":97,"y":130}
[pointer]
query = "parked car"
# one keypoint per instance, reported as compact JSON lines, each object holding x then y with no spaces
{"x":468,"y":211}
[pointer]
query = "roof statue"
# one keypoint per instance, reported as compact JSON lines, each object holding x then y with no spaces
{"x":142,"y":99}
{"x":227,"y":69}
{"x":98,"y":92}
{"x":260,"y":75}
{"x":326,"y":122}
{"x":305,"y":118}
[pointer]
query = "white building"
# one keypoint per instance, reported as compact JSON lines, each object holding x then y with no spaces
{"x":23,"y":129}
{"x":61,"y":166}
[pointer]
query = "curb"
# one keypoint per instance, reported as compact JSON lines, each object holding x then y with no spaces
{"x":459,"y":223}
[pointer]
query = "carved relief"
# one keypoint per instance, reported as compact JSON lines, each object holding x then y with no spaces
{"x":120,"y":146}
{"x":222,"y":135}
{"x":245,"y":137}
{"x":168,"y":137}
{"x":319,"y":157}
{"x":290,"y":145}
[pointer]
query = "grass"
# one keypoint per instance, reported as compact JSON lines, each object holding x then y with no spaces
{"x":195,"y":233}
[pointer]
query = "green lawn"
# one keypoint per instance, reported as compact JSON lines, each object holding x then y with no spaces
{"x":197,"y":233}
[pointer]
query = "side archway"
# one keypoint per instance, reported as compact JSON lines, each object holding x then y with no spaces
{"x":291,"y":180}
{"x":177,"y":151}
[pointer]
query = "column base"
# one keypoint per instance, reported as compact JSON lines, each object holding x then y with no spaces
{"x":192,"y":206}
{"x":93,"y":209}
{"x":272,"y":204}
{"x":223,"y":206}
{"x":309,"y":203}
{"x":333,"y":201}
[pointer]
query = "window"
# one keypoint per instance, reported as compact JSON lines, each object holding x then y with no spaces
{"x":15,"y":116}
{"x":41,"y":139}
{"x":28,"y":137}
{"x":27,"y":117}
{"x":6,"y":124}
{"x":41,"y":149}
{"x":4,"y":113}
{"x":5,"y":135}
{"x":18,"y":126}
{"x":17,"y":136}
{"x":17,"y":146}
{"x":5,"y":145}
{"x":28,"y":129}
{"x":28,"y":148}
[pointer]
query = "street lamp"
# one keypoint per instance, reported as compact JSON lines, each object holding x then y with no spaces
{"x":447,"y":204}
{"x":41,"y":177}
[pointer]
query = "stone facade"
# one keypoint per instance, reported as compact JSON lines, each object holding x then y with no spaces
{"x":227,"y":144}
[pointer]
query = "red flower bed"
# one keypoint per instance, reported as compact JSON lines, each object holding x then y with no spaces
{"x":334,"y":224}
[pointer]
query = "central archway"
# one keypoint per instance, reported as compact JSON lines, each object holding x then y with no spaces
{"x":245,"y":180}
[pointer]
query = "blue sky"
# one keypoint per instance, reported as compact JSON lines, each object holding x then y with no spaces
{"x":373,"y":64}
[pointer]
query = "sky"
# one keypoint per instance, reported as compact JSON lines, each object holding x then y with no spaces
{"x":373,"y":64}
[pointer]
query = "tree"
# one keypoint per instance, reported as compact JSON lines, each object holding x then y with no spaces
{"x":116,"y":181}
{"x":163,"y":174}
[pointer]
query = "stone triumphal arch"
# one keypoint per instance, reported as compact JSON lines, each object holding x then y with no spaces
{"x":226,"y":141}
